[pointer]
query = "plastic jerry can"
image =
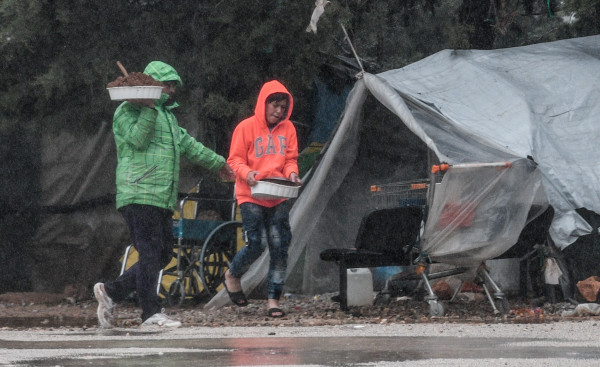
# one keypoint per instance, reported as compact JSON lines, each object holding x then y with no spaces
{"x":360,"y":287}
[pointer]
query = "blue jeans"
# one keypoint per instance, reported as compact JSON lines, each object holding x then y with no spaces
{"x":151,"y":230}
{"x":264,"y":227}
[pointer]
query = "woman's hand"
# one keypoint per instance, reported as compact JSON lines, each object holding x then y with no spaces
{"x":294,"y":178}
{"x":251,"y":179}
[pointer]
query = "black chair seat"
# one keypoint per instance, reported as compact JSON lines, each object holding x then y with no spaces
{"x":354,"y":258}
{"x":383,"y":239}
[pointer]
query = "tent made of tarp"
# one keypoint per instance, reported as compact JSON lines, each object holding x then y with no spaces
{"x":535,"y":106}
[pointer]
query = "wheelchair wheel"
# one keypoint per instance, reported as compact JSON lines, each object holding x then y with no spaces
{"x":218,"y":251}
{"x":176,"y":294}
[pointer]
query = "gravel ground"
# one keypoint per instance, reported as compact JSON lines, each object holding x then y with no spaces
{"x":320,"y":310}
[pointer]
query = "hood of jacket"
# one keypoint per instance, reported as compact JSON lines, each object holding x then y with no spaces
{"x":163,"y":72}
{"x":267,"y":89}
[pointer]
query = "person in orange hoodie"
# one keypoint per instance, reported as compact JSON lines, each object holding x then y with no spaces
{"x":264,"y":146}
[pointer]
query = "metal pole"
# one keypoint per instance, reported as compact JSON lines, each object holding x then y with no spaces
{"x":479,"y":165}
{"x":352,"y":47}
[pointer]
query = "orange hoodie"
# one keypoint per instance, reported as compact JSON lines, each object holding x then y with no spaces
{"x":254,"y":148}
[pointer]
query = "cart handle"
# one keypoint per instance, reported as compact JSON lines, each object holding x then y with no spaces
{"x":445,"y":166}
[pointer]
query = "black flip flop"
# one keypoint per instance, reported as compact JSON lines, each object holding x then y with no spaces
{"x":275,"y":312}
{"x":238,"y":298}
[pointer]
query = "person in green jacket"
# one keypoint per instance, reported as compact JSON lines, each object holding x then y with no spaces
{"x":149,"y":146}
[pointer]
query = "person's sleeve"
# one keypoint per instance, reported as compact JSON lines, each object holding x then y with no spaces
{"x":135,"y":125}
{"x":291,"y":153}
{"x":198,"y":153}
{"x":238,"y":159}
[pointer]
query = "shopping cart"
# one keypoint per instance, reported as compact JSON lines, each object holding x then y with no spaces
{"x":400,"y":194}
{"x":460,"y":215}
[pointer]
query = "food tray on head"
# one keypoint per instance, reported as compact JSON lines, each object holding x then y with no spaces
{"x":275,"y":188}
{"x":135,"y":92}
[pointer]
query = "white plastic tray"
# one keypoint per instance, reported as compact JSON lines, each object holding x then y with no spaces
{"x":271,"y":189}
{"x":135,"y":92}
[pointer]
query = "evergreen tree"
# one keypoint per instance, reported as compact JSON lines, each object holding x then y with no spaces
{"x":58,"y":56}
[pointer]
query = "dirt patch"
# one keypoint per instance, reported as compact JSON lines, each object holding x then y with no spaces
{"x":303,"y":311}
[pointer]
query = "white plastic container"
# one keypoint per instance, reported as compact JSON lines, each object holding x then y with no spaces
{"x":273,"y":188}
{"x":135,"y":92}
{"x":360,"y":287}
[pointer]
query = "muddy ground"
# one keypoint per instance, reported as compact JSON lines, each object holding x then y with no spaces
{"x":42,"y":311}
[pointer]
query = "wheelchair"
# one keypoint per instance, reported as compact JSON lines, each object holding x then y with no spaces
{"x":205,"y":243}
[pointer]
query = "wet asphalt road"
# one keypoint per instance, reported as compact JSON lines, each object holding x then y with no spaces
{"x":557,"y":344}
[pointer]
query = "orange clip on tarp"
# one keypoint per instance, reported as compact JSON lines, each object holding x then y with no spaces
{"x":440,"y":167}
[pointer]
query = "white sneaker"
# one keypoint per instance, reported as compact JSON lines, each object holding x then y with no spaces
{"x":161,"y":320}
{"x":106,"y":306}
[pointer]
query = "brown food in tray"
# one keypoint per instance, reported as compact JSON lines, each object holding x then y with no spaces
{"x":134,"y":79}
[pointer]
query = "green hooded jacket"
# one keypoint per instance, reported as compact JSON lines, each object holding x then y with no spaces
{"x":149,"y":145}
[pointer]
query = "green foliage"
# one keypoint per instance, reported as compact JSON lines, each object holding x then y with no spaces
{"x":59,"y":55}
{"x":586,"y":16}
{"x":218,"y":107}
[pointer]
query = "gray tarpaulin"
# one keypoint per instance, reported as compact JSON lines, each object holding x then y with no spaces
{"x":540,"y":101}
{"x":80,"y":230}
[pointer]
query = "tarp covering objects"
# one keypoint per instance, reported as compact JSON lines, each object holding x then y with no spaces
{"x":478,"y":211}
{"x":535,"y":106}
{"x":78,"y":223}
{"x":79,"y":229}
{"x":539,"y":101}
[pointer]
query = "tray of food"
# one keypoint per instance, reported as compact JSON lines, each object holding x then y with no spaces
{"x":275,"y":188}
{"x":134,"y":86}
{"x":134,"y":92}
